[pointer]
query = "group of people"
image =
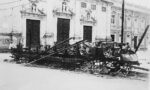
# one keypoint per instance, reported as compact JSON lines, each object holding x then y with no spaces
{"x":126,"y":46}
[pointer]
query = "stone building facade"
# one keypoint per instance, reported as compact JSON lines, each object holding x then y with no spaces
{"x":136,"y":20}
{"x":62,"y":19}
{"x":43,"y":23}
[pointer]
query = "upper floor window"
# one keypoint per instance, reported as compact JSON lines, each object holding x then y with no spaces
{"x":93,"y":7}
{"x":103,"y":8}
{"x":83,"y":5}
{"x":129,"y":22}
{"x":113,"y":19}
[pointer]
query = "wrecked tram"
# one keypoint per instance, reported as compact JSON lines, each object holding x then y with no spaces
{"x":103,"y":57}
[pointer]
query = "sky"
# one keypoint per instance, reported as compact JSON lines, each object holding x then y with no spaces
{"x":5,"y":15}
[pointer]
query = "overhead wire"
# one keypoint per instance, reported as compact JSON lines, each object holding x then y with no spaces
{"x":10,"y":2}
{"x":14,"y":6}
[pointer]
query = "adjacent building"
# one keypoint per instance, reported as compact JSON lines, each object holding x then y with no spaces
{"x":136,"y":20}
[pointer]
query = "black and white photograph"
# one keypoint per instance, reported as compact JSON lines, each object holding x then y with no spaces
{"x":74,"y":44}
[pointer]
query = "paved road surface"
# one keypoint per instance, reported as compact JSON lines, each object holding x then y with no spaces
{"x":19,"y":77}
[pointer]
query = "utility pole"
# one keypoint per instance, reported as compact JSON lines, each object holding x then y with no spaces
{"x":11,"y":33}
{"x":122,"y":27}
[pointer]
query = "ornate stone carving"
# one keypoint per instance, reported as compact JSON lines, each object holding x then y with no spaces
{"x":33,"y":11}
{"x":64,"y":10}
{"x":88,"y":18}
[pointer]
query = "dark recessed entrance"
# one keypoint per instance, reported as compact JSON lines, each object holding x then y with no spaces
{"x":63,"y":28}
{"x":87,"y":33}
{"x":135,"y":41}
{"x":113,"y":37}
{"x":32,"y":33}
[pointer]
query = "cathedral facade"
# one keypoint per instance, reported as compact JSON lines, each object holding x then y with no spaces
{"x":62,"y":19}
{"x":52,"y":21}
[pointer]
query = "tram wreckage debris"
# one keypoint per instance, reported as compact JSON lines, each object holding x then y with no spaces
{"x":102,"y":58}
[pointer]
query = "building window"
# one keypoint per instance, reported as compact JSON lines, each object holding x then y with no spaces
{"x":113,"y":19}
{"x":129,"y":23}
{"x":128,"y":35}
{"x":103,"y":8}
{"x":83,"y":5}
{"x":93,"y":7}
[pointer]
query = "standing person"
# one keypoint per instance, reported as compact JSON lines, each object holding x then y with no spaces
{"x":128,"y":47}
